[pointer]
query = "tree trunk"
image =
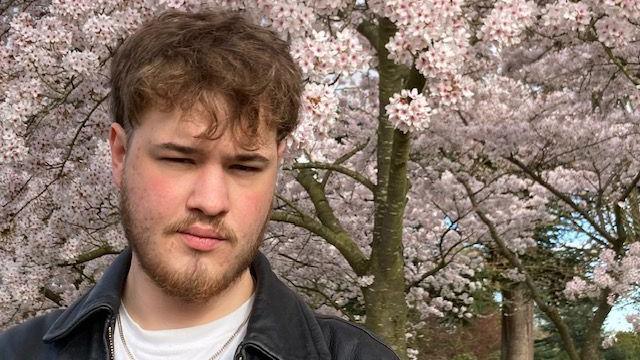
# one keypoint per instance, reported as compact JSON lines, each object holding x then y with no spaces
{"x":517,"y":323}
{"x":385,"y":301}
{"x":593,"y":339}
{"x":387,"y":313}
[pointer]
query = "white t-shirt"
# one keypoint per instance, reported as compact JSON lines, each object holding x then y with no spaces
{"x":193,"y":343}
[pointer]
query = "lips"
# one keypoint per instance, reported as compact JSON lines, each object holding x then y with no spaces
{"x":201,"y":239}
{"x":203,"y":232}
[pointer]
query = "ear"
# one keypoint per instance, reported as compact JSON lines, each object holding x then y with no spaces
{"x":118,"y":144}
{"x":282,"y":148}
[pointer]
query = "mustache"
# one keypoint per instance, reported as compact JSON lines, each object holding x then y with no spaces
{"x":214,"y":223}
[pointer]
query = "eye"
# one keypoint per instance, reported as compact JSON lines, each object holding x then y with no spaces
{"x":178,"y":160}
{"x":245,"y":168}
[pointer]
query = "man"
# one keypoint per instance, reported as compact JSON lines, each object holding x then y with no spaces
{"x":202,"y":104}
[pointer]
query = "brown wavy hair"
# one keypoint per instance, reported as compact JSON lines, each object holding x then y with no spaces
{"x":210,"y":60}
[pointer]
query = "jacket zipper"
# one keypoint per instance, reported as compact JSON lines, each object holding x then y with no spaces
{"x":110,"y":346}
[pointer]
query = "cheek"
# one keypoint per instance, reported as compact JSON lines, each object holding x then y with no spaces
{"x":155,"y":192}
{"x":259,"y":202}
{"x":254,"y":204}
{"x":160,"y":187}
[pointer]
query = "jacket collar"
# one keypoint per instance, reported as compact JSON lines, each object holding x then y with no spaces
{"x":281,"y":325}
{"x":104,"y":298}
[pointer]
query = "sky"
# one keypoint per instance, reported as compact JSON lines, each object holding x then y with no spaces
{"x":616,"y":320}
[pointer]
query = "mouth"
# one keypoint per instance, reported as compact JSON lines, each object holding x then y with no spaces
{"x":201,"y":239}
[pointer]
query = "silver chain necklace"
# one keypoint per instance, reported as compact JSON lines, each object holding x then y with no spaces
{"x":213,"y":357}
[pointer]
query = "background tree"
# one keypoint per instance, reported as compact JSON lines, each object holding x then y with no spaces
{"x":550,"y":345}
{"x":626,"y":347}
{"x":453,"y":338}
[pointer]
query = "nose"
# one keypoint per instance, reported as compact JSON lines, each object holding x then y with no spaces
{"x":209,"y":193}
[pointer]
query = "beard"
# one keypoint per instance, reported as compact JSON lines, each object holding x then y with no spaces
{"x":196,"y":282}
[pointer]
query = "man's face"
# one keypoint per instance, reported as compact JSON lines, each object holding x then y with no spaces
{"x":193,"y":209}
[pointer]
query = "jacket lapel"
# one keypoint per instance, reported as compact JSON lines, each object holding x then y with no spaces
{"x":103,"y":297}
{"x":281,"y":325}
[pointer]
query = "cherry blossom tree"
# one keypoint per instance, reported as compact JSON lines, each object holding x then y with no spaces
{"x":430,"y":132}
{"x":556,"y":124}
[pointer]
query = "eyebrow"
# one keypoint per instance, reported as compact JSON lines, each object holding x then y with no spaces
{"x":251,"y":157}
{"x":193,"y":151}
{"x":187,"y":150}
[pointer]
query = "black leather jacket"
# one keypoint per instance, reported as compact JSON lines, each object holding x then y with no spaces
{"x":281,"y":326}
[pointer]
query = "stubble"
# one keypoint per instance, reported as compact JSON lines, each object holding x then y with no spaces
{"x":195,"y":283}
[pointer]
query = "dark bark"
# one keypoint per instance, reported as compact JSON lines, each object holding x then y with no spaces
{"x":517,"y":323}
{"x":386,"y":307}
{"x":535,"y":292}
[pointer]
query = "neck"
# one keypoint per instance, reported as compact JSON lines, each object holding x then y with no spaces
{"x":150,"y":307}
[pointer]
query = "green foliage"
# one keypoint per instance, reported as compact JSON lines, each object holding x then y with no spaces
{"x":556,"y":260}
{"x":549,"y":354}
{"x":626,"y":347}
{"x":550,"y":346}
{"x":465,"y":356}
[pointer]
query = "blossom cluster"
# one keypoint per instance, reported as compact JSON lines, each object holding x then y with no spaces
{"x":320,"y":55}
{"x":409,"y":111}
{"x":618,"y":275}
{"x":616,"y":31}
{"x":634,"y":320}
{"x":507,"y":20}
{"x":318,"y":115}
{"x":566,"y":16}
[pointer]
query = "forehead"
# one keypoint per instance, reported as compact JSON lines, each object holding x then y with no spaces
{"x":203,"y":128}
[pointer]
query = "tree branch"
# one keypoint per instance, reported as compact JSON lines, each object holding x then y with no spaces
{"x":64,"y":162}
{"x":618,"y":62}
{"x":338,"y":168}
{"x":92,"y":255}
{"x":441,"y":265}
{"x":342,"y":159}
{"x":49,"y":294}
{"x":592,"y":335}
{"x":334,"y":304}
{"x":341,"y":241}
{"x":293,"y":206}
{"x":370,"y":31}
{"x":562,"y":197}
{"x":630,"y":188}
{"x":294,"y":260}
{"x":549,"y":310}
